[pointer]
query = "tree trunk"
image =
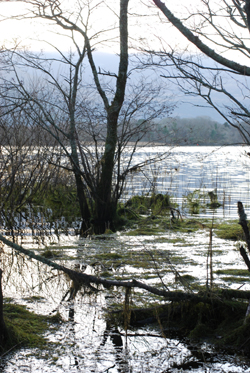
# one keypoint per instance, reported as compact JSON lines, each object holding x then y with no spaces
{"x":3,"y":329}
{"x":105,"y":208}
{"x":85,"y":213}
{"x":105,"y":203}
{"x":84,"y":208}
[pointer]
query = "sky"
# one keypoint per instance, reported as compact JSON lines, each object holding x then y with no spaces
{"x":141,"y":27}
{"x":146,"y":29}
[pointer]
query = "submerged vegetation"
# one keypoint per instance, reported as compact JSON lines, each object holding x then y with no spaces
{"x":157,"y":204}
{"x":199,"y":200}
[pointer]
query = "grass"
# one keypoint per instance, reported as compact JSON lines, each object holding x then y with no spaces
{"x":229,"y":231}
{"x":233,"y":279}
{"x":149,"y":227}
{"x":108,"y":256}
{"x":233,"y":272}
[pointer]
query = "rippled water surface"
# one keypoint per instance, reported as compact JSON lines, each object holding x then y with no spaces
{"x":185,"y":169}
{"x":84,"y":342}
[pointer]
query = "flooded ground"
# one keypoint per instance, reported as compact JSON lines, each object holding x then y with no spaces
{"x":83,"y":341}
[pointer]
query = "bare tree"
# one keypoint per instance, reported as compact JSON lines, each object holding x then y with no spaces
{"x":92,"y":121}
{"x":217,"y":71}
{"x":26,"y":170}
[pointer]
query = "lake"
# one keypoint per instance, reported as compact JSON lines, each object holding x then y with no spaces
{"x":185,"y":169}
{"x":83,"y":342}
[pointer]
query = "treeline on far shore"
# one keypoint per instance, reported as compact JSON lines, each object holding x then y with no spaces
{"x":201,"y":130}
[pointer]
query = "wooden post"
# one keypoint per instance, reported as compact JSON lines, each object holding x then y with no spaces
{"x":3,"y":329}
{"x":243,"y":223}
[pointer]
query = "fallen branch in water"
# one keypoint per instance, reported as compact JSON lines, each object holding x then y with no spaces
{"x":88,"y":280}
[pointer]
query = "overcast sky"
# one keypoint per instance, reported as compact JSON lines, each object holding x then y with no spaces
{"x":144,"y":29}
{"x":144,"y":24}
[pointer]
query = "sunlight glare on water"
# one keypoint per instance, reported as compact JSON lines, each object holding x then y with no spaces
{"x":84,"y":342}
{"x":185,"y":169}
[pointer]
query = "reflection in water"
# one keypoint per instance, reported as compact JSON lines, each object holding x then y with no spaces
{"x":85,"y":341}
{"x":121,"y":356}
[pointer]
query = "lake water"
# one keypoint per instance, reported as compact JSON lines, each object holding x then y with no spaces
{"x":81,"y":343}
{"x":185,"y":169}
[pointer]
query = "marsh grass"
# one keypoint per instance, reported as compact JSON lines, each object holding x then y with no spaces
{"x":235,"y":280}
{"x":157,"y":226}
{"x":229,"y":230}
{"x":233,"y":272}
{"x":157,"y":204}
{"x":50,"y":254}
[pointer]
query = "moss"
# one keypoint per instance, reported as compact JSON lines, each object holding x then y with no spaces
{"x":108,"y":231}
{"x":176,"y":240}
{"x":33,"y":298}
{"x":188,"y":225}
{"x":238,"y":338}
{"x":25,"y":328}
{"x":214,"y":205}
{"x":56,"y":318}
{"x":149,"y":227}
{"x":106,"y":274}
{"x":200,"y":331}
{"x":189,"y":278}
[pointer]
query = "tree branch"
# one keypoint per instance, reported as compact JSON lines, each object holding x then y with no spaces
{"x":242,"y":69}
